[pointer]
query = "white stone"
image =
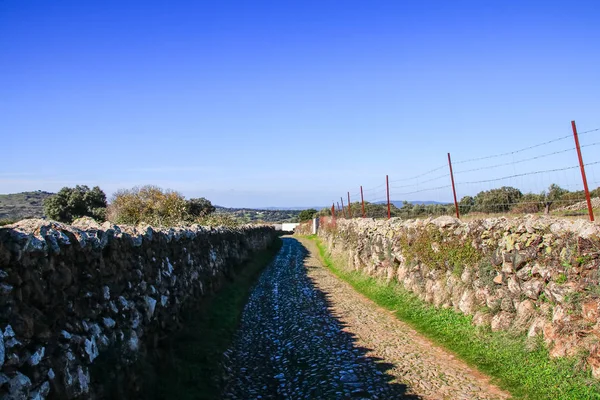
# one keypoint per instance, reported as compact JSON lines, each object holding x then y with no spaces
{"x":5,"y":288}
{"x":109,"y":322}
{"x":84,"y":380}
{"x":123,"y":303}
{"x":95,"y":329}
{"x":65,"y":335}
{"x":134,"y":343}
{"x":19,"y":385}
{"x":8,"y":332}
{"x":12,"y":342}
{"x":150,"y":306}
{"x":106,"y":292}
{"x":36,"y":357}
{"x":41,"y":392}
{"x":91,"y":348}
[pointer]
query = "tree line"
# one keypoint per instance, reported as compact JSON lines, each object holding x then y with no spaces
{"x":139,"y":205}
{"x":504,"y":200}
{"x":155,"y":206}
{"x":151,"y":205}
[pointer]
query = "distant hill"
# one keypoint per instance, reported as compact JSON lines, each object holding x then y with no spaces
{"x":399,"y":203}
{"x":254,"y":215}
{"x":16,"y":206}
{"x":23,"y":205}
{"x":291,"y":208}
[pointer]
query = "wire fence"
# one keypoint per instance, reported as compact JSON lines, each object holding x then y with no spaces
{"x":542,"y":177}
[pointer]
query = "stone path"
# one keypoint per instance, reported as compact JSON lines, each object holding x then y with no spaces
{"x":307,"y":335}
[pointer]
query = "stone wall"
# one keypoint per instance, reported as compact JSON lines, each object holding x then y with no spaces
{"x":533,"y":275}
{"x":69,"y":294}
{"x":304,"y":228}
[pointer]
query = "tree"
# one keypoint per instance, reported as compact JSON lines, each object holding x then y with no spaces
{"x":530,"y":203}
{"x":72,"y":203}
{"x":325,"y":212}
{"x":305,"y":215}
{"x":227,"y":220}
{"x":374,"y":210}
{"x":497,"y":200}
{"x":200,"y":207}
{"x":148,"y":204}
{"x":554,"y":193}
{"x":466,"y":204}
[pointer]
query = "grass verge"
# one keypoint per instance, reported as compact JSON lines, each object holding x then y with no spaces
{"x":193,"y":366}
{"x":526,"y":371}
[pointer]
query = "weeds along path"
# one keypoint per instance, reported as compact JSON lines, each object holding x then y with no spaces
{"x":307,"y":335}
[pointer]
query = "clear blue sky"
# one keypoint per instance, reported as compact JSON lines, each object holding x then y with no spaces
{"x":291,"y":103}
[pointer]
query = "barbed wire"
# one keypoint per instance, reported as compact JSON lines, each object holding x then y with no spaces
{"x":422,"y":190}
{"x":420,"y":175}
{"x":525,"y":174}
{"x":523,"y":149}
{"x":514,"y":162}
{"x":447,"y":175}
{"x":512,"y":152}
{"x":378,"y":194}
{"x":574,"y":201}
{"x":373,"y":188}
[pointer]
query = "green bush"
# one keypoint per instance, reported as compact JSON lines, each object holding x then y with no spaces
{"x":148,"y":204}
{"x":466,"y":204}
{"x":530,"y":203}
{"x":72,"y":203}
{"x":324,"y":212}
{"x":7,"y":221}
{"x":199,"y":207}
{"x":305,"y":215}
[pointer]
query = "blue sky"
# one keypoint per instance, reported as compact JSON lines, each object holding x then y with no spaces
{"x":256,"y":103}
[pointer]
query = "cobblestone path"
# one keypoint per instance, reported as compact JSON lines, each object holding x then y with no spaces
{"x":307,"y":335}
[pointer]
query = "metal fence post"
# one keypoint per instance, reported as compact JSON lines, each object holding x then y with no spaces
{"x":581,"y":166}
{"x":387,"y":183}
{"x":362,"y":199}
{"x":349,"y":206}
{"x":453,"y":187}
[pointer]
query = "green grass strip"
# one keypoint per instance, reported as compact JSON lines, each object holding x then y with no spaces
{"x":526,"y":371}
{"x":193,"y":367}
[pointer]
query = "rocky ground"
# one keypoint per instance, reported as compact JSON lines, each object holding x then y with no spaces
{"x":307,"y":335}
{"x":582,"y":205}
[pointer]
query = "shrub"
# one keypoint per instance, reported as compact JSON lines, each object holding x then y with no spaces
{"x":555,"y":193}
{"x":570,"y":198}
{"x":374,"y":210}
{"x":148,"y":204}
{"x":497,"y":200}
{"x":72,"y":203}
{"x":305,"y":215}
{"x":530,"y":203}
{"x":324,"y":212}
{"x":466,"y":204}
{"x":199,"y":207}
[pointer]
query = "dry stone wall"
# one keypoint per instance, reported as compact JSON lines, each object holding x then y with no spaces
{"x":534,"y":275}
{"x":69,"y":294}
